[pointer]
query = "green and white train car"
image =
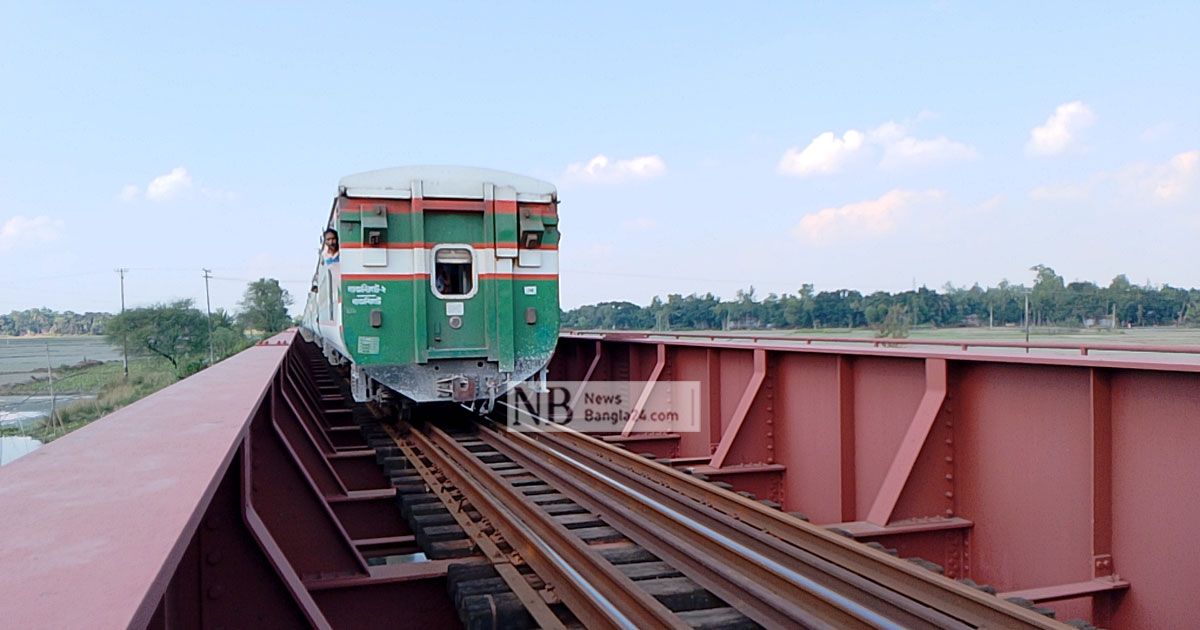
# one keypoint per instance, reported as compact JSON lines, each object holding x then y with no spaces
{"x":445,"y":287}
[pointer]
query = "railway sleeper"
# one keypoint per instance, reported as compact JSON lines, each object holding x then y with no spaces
{"x":579,"y":520}
{"x":600,"y":534}
{"x":892,"y":552}
{"x":537,"y":490}
{"x":450,"y":549}
{"x":500,"y":610}
{"x":926,"y":564}
{"x":439,"y":533}
{"x":406,"y":501}
{"x":484,"y":600}
{"x":986,"y":588}
{"x":493,"y":457}
{"x":397,"y":464}
{"x":385,"y":452}
{"x":559,"y":509}
{"x":489,"y":586}
{"x":680,"y":594}
{"x":648,"y":570}
{"x":724,"y":618}
{"x":429,"y":520}
{"x":626,"y":553}
{"x":1025,"y":603}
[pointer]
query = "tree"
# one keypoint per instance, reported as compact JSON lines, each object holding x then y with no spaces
{"x":173,"y":331}
{"x":1048,"y":294}
{"x":264,"y":306}
{"x":895,"y":323}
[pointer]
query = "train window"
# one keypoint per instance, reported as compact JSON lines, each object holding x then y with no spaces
{"x":453,"y":272}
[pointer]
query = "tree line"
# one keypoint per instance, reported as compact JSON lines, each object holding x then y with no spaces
{"x":43,"y":321}
{"x":1052,"y":302}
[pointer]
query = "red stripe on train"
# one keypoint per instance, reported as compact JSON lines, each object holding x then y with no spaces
{"x":351,"y":245}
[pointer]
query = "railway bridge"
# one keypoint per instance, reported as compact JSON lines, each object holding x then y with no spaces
{"x":832,"y":483}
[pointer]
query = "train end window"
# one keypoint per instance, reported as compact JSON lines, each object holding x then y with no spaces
{"x":453,"y":272}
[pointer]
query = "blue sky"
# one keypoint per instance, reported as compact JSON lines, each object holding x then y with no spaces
{"x":697,"y":146}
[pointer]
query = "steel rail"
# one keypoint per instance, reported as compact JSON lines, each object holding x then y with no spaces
{"x":914,"y":583}
{"x":718,"y":555}
{"x":804,"y":566}
{"x":597,"y":593}
{"x":529,"y":596}
{"x":964,"y":344}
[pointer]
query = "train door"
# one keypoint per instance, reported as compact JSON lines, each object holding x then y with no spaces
{"x":454,"y":300}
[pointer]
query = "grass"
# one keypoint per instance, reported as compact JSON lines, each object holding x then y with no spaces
{"x":105,"y":380}
{"x":89,"y":378}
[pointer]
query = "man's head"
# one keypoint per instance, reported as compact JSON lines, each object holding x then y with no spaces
{"x":331,"y":240}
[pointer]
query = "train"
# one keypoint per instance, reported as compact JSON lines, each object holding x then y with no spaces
{"x":437,"y":284}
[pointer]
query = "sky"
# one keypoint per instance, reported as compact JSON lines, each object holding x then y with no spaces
{"x":697,"y":147}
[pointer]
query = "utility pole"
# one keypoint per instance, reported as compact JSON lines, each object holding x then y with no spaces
{"x":50,"y":376}
{"x":1026,"y":321}
{"x":208,"y":305}
{"x":124,"y":339}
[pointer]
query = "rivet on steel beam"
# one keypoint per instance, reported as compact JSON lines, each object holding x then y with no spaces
{"x":949,"y":459}
{"x":214,"y":557}
{"x":216,"y":591}
{"x":949,"y":495}
{"x":949,"y":441}
{"x":949,"y":512}
{"x":949,"y":477}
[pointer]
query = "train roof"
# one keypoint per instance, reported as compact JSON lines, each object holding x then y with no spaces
{"x":458,"y":182}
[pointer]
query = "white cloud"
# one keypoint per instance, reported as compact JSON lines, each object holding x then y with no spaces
{"x":909,"y":151}
{"x":1167,"y":182}
{"x":829,"y":154}
{"x":171,"y":186}
{"x":167,"y":187}
{"x":25,"y":230}
{"x":875,"y":217}
{"x":1061,"y":129}
{"x":640,"y":224}
{"x":825,"y":154}
{"x":129,"y":192}
{"x":601,"y":169}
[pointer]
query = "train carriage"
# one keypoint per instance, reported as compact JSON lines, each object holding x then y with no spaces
{"x":446,"y":287}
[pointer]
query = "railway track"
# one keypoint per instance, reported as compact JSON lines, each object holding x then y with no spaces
{"x":576,"y":531}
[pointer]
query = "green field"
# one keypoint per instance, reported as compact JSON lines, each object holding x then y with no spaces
{"x":23,"y":357}
{"x":105,"y":380}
